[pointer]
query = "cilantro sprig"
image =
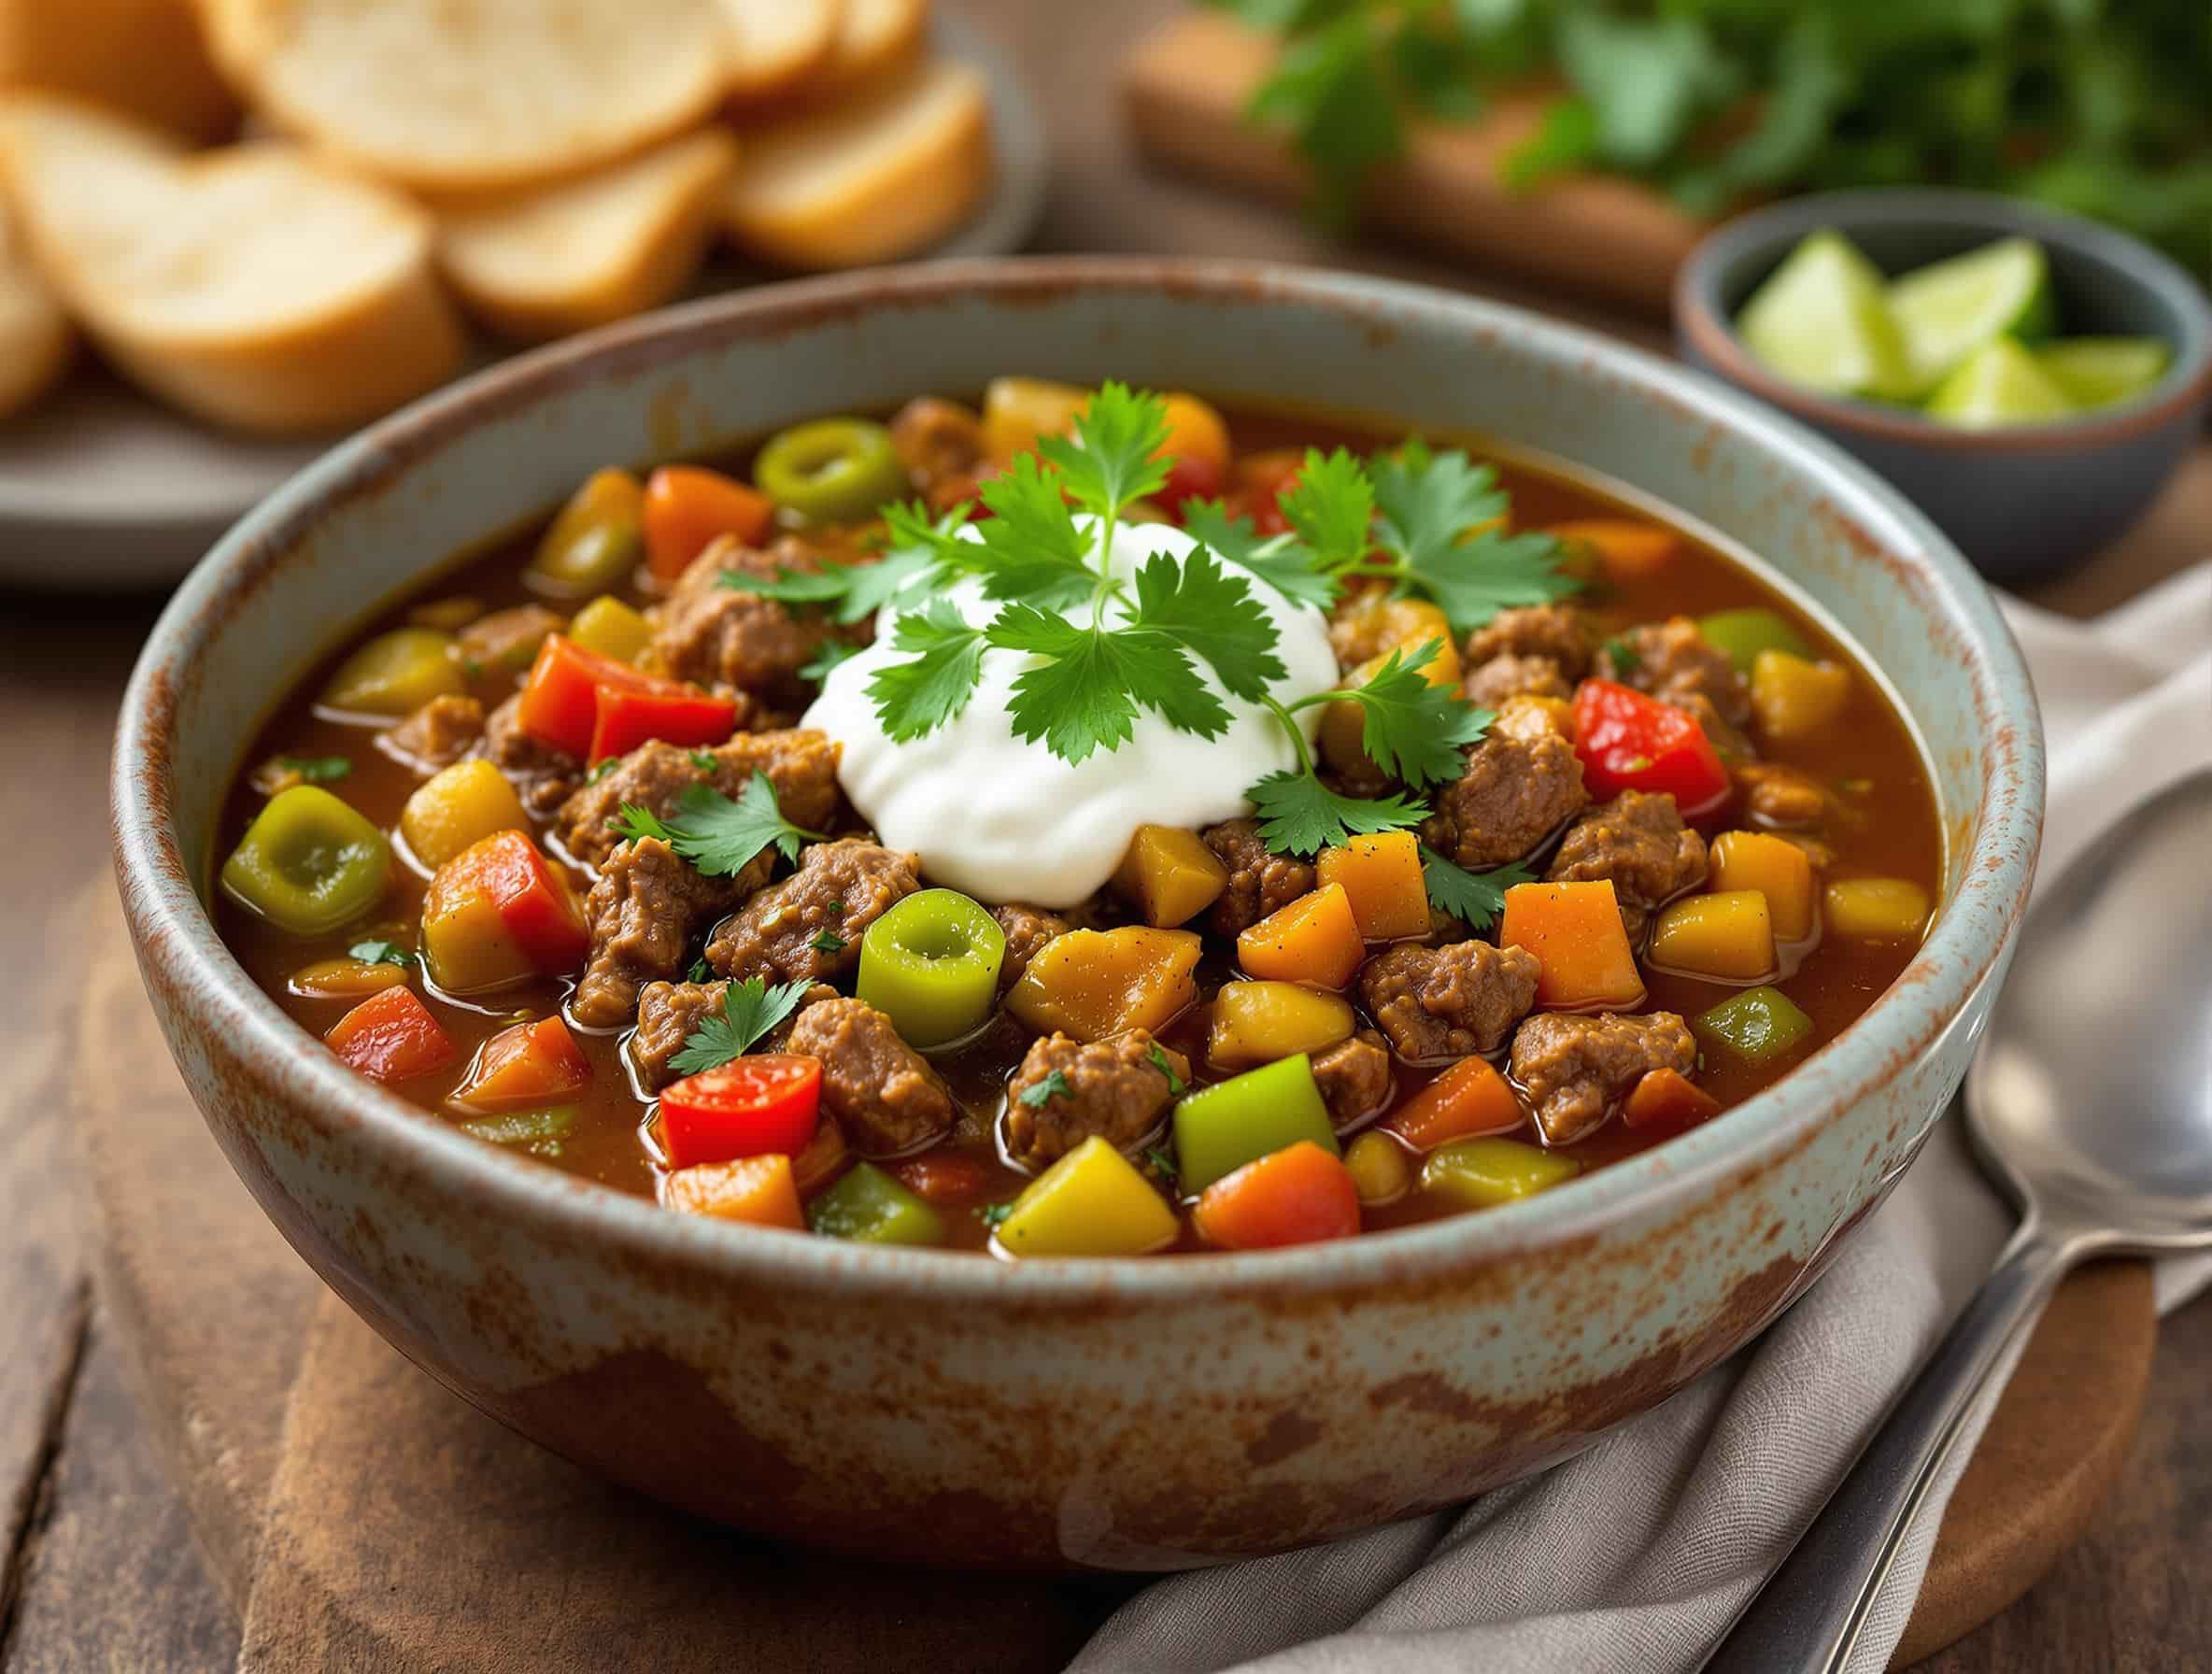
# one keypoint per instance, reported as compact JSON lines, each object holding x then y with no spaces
{"x":720,"y":836}
{"x":749,"y":1010}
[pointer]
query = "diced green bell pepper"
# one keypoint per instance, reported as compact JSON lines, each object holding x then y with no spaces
{"x":308,"y":863}
{"x":930,"y":964}
{"x":1224,"y":1127}
{"x":831,"y":470}
{"x":397,"y":673}
{"x":1758,"y":1025}
{"x":869,"y":1207}
{"x":538,"y":1131}
{"x":1746,"y":633}
{"x":1484,"y":1172}
{"x":1091,"y":1203}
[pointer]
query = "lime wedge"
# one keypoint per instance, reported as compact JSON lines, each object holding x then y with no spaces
{"x":2095,"y":372}
{"x":2000,"y":384}
{"x":1820,"y":319}
{"x":1949,"y":310}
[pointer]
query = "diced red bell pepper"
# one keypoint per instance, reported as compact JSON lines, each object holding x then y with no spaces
{"x":1630,"y":742}
{"x":593,"y":707}
{"x":1263,"y":479}
{"x":532,"y":1063}
{"x":682,"y":715}
{"x":499,"y":912}
{"x":688,"y":508}
{"x":1665,"y":1102}
{"x":391,"y":1037}
{"x":749,"y":1107}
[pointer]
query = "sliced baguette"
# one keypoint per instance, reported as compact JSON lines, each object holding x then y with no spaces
{"x":568,"y":257}
{"x":258,"y":285}
{"x":875,"y":39}
{"x":144,"y":58}
{"x":775,"y":45}
{"x":479,"y":95}
{"x":876,"y":177}
{"x":35,"y":336}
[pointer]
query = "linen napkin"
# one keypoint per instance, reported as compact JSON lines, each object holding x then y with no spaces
{"x":1639,"y":1552}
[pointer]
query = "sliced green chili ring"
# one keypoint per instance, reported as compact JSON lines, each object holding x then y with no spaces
{"x":397,"y":673}
{"x":930,"y":964}
{"x":308,"y":863}
{"x":830,"y":471}
{"x":869,"y":1207}
{"x":595,"y":542}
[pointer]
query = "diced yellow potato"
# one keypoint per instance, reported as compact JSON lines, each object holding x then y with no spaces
{"x":1375,"y":618}
{"x":1795,"y":699}
{"x":1382,"y":875}
{"x":1877,"y":909}
{"x":467,"y":946}
{"x":1343,"y":725}
{"x":457,"y":807}
{"x":1527,"y":715}
{"x":1729,"y":936}
{"x":1775,"y":867}
{"x":344,"y":979}
{"x":396,"y":673}
{"x":447,"y":615}
{"x":1256,"y":1023}
{"x":1379,"y":1168}
{"x":611,"y":628}
{"x":1096,"y":984}
{"x":1169,"y":875}
{"x":1018,"y":410}
{"x":1091,"y":1203}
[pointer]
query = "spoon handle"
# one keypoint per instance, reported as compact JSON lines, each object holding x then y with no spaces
{"x":1812,"y":1609}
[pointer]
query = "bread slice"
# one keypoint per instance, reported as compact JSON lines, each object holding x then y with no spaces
{"x":258,"y":285}
{"x":875,"y":39}
{"x":143,"y":58}
{"x":776,"y":44}
{"x":475,"y":95}
{"x":35,"y":336}
{"x":878,"y":175}
{"x":567,"y":257}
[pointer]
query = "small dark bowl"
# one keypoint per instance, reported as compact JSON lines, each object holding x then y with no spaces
{"x":2024,"y":501}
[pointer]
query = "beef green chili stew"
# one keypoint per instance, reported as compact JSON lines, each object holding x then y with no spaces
{"x":1084,"y":825}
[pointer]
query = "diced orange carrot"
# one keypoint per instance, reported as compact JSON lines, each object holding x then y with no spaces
{"x":1629,"y":550}
{"x":1576,"y":934}
{"x":755,"y":1189}
{"x":1299,"y":1196}
{"x":1381,"y":873}
{"x":1468,"y":1100}
{"x":532,"y":1063}
{"x":391,"y":1037}
{"x":1666,"y":1102}
{"x":688,"y":507}
{"x":1314,"y":939}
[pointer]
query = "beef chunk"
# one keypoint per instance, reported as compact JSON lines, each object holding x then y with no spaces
{"x":1775,"y":795}
{"x":800,"y":763}
{"x":507,"y":640}
{"x":721,"y":636}
{"x":1730,"y":741}
{"x":810,"y":924}
{"x":438,"y":735}
{"x":1550,"y":631}
{"x":1259,"y":880}
{"x":1112,"y":1088}
{"x":937,"y":441}
{"x":669,"y":1013}
{"x":643,"y":910}
{"x":1509,"y":674}
{"x":543,"y":776}
{"x":1027,"y":930}
{"x":1672,"y":660}
{"x":1440,"y":1003}
{"x":1574,"y":1069}
{"x":1354,"y":1079}
{"x":1515,"y":793}
{"x":1639,"y":842}
{"x":881,"y":1091}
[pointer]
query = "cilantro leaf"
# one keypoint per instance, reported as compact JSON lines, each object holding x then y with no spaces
{"x":859,"y":590}
{"x":317,"y":769}
{"x":703,"y":760}
{"x":718,"y":836}
{"x":1212,"y":615}
{"x":1332,"y":89}
{"x":1299,"y":814}
{"x":1162,"y":1160}
{"x":828,"y":942}
{"x":1474,"y":898}
{"x":1412,"y":729}
{"x":1036,"y":550}
{"x":1431,"y":502}
{"x":749,"y":1010}
{"x":1279,"y":560}
{"x":916,"y":697}
{"x":827,"y":656}
{"x":1332,"y":506}
{"x":789,"y":586}
{"x":1440,"y":522}
{"x":1165,"y":1066}
{"x":1085,"y":695}
{"x":383,"y":952}
{"x":1115,"y":456}
{"x":1055,"y":1086}
{"x":994,"y":1214}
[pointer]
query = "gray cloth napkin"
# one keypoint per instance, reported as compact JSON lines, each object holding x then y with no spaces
{"x":1639,"y":1552}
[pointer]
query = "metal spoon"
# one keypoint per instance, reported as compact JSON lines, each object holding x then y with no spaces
{"x":2090,"y":1103}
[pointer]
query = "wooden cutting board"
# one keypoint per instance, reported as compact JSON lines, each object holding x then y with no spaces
{"x":1185,"y":87}
{"x":358,"y":1515}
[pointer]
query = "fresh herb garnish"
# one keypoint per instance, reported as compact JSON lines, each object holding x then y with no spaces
{"x":471,"y":669}
{"x":1622,"y":653}
{"x":994,"y":1214}
{"x":828,"y":942}
{"x":718,"y":836}
{"x":1473,"y":897}
{"x":1055,"y":1086}
{"x":749,"y":1010}
{"x":705,"y":760}
{"x":383,"y":952}
{"x":700,"y":971}
{"x":317,"y":769}
{"x":1158,"y":1157}
{"x":1165,"y":1066}
{"x":827,"y":655}
{"x":602,"y":769}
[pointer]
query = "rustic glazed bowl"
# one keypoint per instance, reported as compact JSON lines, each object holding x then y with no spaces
{"x":940,"y":1409}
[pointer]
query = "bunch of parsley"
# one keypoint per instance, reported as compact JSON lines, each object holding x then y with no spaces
{"x":2099,"y":107}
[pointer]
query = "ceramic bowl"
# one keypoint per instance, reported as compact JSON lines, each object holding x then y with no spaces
{"x":2021,"y":501}
{"x":929,"y":1407}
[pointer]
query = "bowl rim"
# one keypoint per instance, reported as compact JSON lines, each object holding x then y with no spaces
{"x":1702,"y":321}
{"x":181,"y":955}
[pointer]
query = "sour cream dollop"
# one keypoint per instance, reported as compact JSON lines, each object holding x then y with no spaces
{"x":1003,"y":819}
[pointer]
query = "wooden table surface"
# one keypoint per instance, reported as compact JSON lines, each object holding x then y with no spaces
{"x":96,"y":1561}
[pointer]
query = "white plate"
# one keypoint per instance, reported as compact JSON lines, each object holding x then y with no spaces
{"x":102,"y":489}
